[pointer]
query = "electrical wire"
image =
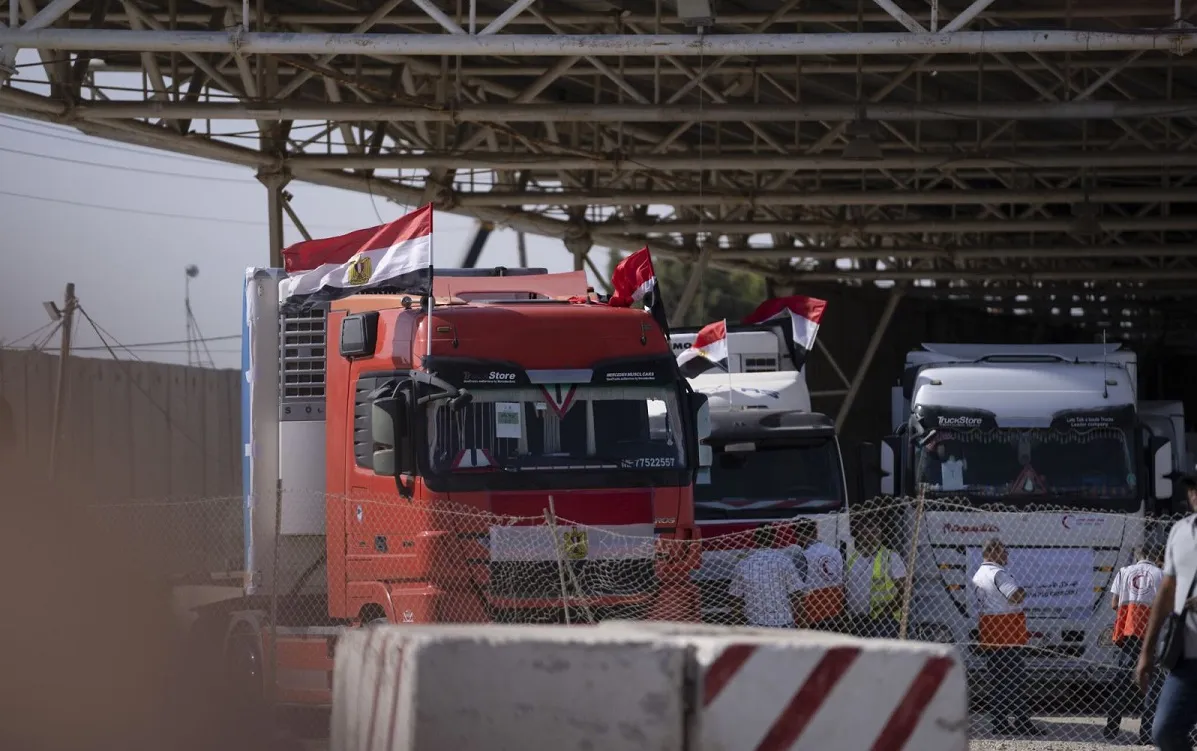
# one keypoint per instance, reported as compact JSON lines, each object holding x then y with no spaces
{"x":169,"y":215}
{"x":152,"y":347}
{"x":126,"y":210}
{"x":66,"y":134}
{"x":35,"y":332}
{"x":124,"y":168}
{"x":40,"y":344}
{"x":148,"y":345}
{"x":172,"y":351}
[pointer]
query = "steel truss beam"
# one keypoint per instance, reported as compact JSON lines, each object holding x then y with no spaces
{"x":646,"y":45}
{"x":631,"y":162}
{"x":809,"y":68}
{"x":1090,"y":9}
{"x":962,"y":253}
{"x":833,"y":198}
{"x":906,"y":227}
{"x":648,"y":113}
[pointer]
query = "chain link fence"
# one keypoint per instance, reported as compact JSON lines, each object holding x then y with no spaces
{"x":892,"y":567}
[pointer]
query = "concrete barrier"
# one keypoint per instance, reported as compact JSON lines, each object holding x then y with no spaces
{"x":630,"y":686}
{"x":461,"y":688}
{"x":771,"y":689}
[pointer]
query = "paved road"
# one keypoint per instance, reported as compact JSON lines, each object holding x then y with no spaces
{"x":1064,"y":734}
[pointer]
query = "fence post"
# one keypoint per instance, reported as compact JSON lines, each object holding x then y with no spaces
{"x":910,"y":563}
{"x":550,"y":517}
{"x":278,"y":525}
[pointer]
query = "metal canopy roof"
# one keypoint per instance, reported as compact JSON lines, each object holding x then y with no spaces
{"x":1035,"y":156}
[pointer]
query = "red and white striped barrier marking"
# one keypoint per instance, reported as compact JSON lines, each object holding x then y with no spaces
{"x":823,"y":692}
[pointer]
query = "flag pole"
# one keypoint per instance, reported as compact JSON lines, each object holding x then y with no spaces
{"x":731,"y":391}
{"x":431,"y":288}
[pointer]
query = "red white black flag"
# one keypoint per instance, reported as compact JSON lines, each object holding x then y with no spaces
{"x":635,"y":281}
{"x":708,"y":351}
{"x":393,"y":257}
{"x":805,"y":314}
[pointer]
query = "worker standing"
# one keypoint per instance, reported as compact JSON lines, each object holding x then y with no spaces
{"x":1002,"y":627}
{"x":823,"y":602}
{"x":1133,"y":592}
{"x":768,"y":584}
{"x":876,"y":580}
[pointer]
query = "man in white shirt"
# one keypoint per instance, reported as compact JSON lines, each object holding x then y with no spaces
{"x":1132,"y":594}
{"x":1002,"y":633}
{"x":823,"y":601}
{"x":768,"y":583}
{"x":1176,"y":712}
{"x":876,"y":579}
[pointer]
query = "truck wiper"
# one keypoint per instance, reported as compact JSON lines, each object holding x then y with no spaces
{"x":448,"y":390}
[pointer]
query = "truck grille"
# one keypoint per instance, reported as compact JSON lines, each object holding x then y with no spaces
{"x":301,"y":356}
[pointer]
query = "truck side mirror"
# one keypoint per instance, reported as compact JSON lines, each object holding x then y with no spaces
{"x":1160,"y":450}
{"x":388,"y":428}
{"x":701,"y":409}
{"x":888,"y":465}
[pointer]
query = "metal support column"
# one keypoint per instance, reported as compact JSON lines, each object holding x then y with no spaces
{"x":887,"y":315}
{"x":275,"y":182}
{"x":690,"y":291}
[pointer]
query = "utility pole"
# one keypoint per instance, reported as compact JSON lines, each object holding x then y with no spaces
{"x":64,"y":353}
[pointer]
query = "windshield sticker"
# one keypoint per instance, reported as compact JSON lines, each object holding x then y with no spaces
{"x":632,"y":375}
{"x":649,"y":462}
{"x":507,"y":419}
{"x":559,"y":397}
{"x":489,"y":377}
{"x":953,"y":474}
{"x":1090,"y":421}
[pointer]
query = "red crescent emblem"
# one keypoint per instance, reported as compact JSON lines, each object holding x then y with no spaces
{"x":1139,"y":582}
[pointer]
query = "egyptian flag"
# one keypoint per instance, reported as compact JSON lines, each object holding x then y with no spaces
{"x":394,"y":257}
{"x":708,"y":351}
{"x":805,"y":314}
{"x":632,"y":281}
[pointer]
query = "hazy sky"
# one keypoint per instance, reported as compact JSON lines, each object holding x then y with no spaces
{"x":124,"y":222}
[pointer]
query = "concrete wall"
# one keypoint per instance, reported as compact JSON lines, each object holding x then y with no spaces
{"x":141,"y":430}
{"x":152,"y":449}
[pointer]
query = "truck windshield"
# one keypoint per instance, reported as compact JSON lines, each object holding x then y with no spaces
{"x":1094,"y":463}
{"x":773,"y":482}
{"x":559,"y":428}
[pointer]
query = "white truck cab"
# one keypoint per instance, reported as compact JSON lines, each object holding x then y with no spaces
{"x":983,"y":430}
{"x":774,"y":459}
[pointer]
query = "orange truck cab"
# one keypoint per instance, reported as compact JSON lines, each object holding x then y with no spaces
{"x":484,"y":456}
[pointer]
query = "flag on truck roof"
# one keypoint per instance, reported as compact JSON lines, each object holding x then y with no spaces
{"x":397,"y":257}
{"x":633,"y":280}
{"x":708,"y":351}
{"x":310,"y":254}
{"x":805,"y":314}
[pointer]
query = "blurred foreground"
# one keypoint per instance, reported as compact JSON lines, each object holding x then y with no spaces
{"x":94,"y":657}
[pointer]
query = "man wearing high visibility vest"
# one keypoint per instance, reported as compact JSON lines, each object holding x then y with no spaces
{"x":1133,"y":592}
{"x":1002,"y":627}
{"x":876,"y":579}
